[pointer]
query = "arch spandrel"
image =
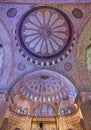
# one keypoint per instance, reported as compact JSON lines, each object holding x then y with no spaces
{"x":83,"y":60}
{"x":5,"y":56}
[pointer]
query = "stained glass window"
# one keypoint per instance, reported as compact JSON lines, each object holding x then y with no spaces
{"x":50,"y":112}
{"x":37,"y":111}
{"x":44,"y":110}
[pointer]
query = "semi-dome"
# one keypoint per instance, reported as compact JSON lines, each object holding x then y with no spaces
{"x":45,"y":87}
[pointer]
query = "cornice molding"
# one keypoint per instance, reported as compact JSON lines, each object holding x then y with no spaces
{"x":44,"y":1}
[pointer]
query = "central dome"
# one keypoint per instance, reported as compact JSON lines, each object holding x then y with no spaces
{"x":45,"y":33}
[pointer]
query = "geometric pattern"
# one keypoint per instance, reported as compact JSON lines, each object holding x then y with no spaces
{"x":45,"y":35}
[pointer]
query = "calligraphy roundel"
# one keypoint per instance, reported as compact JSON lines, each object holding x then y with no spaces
{"x":45,"y":35}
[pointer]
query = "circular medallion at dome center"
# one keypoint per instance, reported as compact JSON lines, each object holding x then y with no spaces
{"x":44,"y":34}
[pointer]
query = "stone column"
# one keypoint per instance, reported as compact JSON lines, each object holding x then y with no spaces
{"x":3,"y":109}
{"x":84,"y":102}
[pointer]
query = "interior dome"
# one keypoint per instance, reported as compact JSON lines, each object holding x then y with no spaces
{"x":44,"y":86}
{"x":45,"y":35}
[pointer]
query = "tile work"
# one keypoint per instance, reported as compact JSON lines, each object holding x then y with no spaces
{"x":28,"y":56}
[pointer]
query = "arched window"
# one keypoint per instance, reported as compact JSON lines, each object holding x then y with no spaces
{"x":25,"y":111}
{"x":19,"y":110}
{"x":37,"y":111}
{"x":50,"y":111}
{"x":62,"y":112}
{"x":49,"y":99}
{"x":69,"y":111}
{"x":44,"y":110}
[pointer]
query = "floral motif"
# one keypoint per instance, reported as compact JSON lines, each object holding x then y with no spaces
{"x":21,"y":66}
{"x":11,"y":13}
{"x":45,"y":34}
{"x":68,"y":66}
{"x":77,"y":13}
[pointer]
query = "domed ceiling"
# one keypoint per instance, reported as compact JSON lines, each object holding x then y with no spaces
{"x":45,"y":35}
{"x":46,"y":86}
{"x":43,"y":89}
